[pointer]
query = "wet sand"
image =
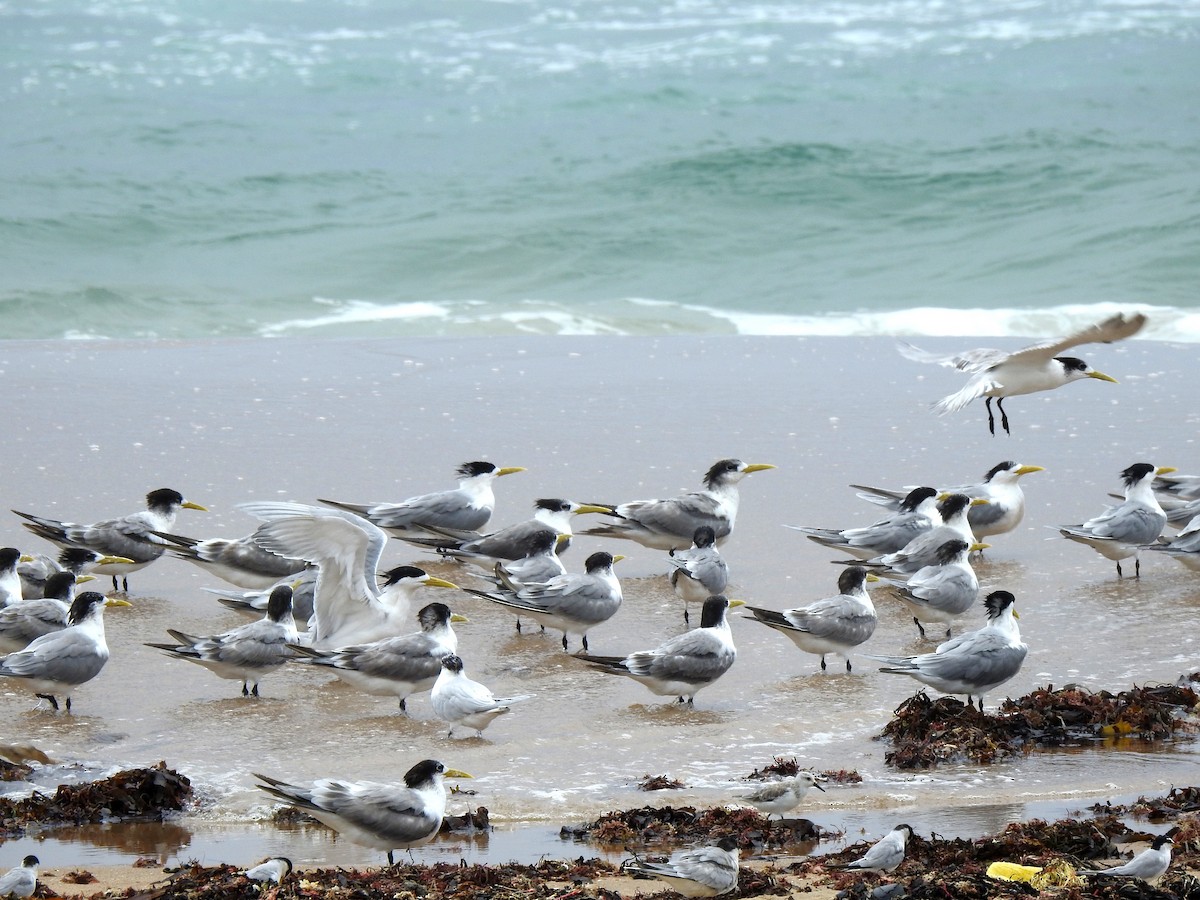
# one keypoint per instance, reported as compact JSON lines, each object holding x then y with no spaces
{"x":96,"y":425}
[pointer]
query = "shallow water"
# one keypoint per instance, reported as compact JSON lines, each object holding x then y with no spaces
{"x":598,"y":419}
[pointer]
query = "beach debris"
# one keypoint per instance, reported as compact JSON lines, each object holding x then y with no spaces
{"x":789,"y":767}
{"x":22,"y":755}
{"x":659,"y":783}
{"x":477,"y":820}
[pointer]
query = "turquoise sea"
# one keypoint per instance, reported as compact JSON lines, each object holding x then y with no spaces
{"x":201,"y":168}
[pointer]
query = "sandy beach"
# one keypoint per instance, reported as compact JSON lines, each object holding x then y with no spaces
{"x":95,"y":425}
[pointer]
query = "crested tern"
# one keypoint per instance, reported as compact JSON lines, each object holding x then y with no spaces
{"x":570,"y":603}
{"x":885,"y":855}
{"x":23,"y":622}
{"x":685,"y":664}
{"x":384,"y":816}
{"x":699,"y":872}
{"x":57,"y":663}
{"x":671,"y":524}
{"x":255,"y":603}
{"x":10,"y":578}
{"x":1001,"y":374}
{"x":36,"y":568}
{"x":274,"y":870}
{"x":1184,"y":547}
{"x":129,"y":536}
{"x":460,"y":701}
{"x":239,"y":561}
{"x":922,"y":550}
{"x":466,"y":508}
{"x":698,"y":573}
{"x":20,"y":881}
{"x":915,"y":513}
{"x":246,"y":653}
{"x":943,"y":591}
{"x":832,"y":625}
{"x":1149,"y":865}
{"x":972,"y":663}
{"x":784,"y":795}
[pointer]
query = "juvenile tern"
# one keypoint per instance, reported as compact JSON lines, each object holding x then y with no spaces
{"x":671,"y":524}
{"x":552,"y":514}
{"x":915,"y":513}
{"x":1149,"y":865}
{"x":274,"y":870}
{"x":778,"y":797}
{"x":570,"y":603}
{"x":129,"y":536}
{"x":239,"y":561}
{"x":384,"y":816}
{"x":1122,"y":531}
{"x":57,"y":663}
{"x":27,"y":620}
{"x":1000,"y":374}
{"x":460,"y":701}
{"x":35,"y":569}
{"x":698,"y":573}
{"x":943,"y":591}
{"x":700,"y":872}
{"x":885,"y":855}
{"x":396,"y":666}
{"x":10,"y":579}
{"x":685,"y":664}
{"x":972,"y":663}
{"x":246,"y":653}
{"x":20,"y":881}
{"x":922,"y":550}
{"x":833,"y":625}
{"x":467,"y":508}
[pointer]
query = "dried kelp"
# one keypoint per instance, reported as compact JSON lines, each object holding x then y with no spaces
{"x":651,"y":825}
{"x":659,"y":783}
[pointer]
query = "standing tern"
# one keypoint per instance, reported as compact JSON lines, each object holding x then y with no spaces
{"x":832,"y":625}
{"x":241,"y":562}
{"x":467,"y":508}
{"x":1149,"y":865}
{"x":384,"y":816}
{"x":972,"y":663}
{"x":460,"y":701}
{"x":1122,"y":531}
{"x":129,"y":536}
{"x":922,"y":550}
{"x":685,"y":664}
{"x":915,"y":513}
{"x":570,"y":603}
{"x":79,"y":561}
{"x":27,"y":620}
{"x":274,"y":870}
{"x":10,"y":579}
{"x":20,"y":881}
{"x":700,"y":872}
{"x":778,"y":797}
{"x":1000,"y":374}
{"x":1184,"y":547}
{"x":698,"y":573}
{"x":255,"y":603}
{"x":885,"y":855}
{"x":57,"y":663}
{"x":395,"y":666}
{"x":671,"y":524}
{"x":943,"y":591}
{"x":246,"y":653}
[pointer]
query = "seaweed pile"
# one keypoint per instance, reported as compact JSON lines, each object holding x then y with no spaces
{"x":134,"y":793}
{"x":686,"y":825}
{"x":926,"y":732}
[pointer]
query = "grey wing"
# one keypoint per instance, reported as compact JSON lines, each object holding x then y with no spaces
{"x":677,"y":516}
{"x":694,"y":657}
{"x":65,"y":656}
{"x":508,"y":543}
{"x":887,"y":854}
{"x":987,"y":659}
{"x":968,"y":361}
{"x":706,"y":567}
{"x":446,"y":509}
{"x":709,"y":866}
{"x":129,"y":536}
{"x":577,"y":597}
{"x":408,"y":658}
{"x":256,"y":644}
{"x":837,"y":618}
{"x":1133,"y":523}
{"x":890,"y":534}
{"x":244,"y":553}
{"x":1115,"y":328}
{"x":391,"y":812}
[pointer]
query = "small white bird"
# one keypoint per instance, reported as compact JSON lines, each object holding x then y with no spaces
{"x":701,"y":872}
{"x":460,"y":701}
{"x":831,"y":625}
{"x":129,"y":536}
{"x":685,"y":664}
{"x":274,"y":869}
{"x":20,"y":881}
{"x":915,"y":513}
{"x":1000,"y":374}
{"x":885,"y":855}
{"x":1122,"y":531}
{"x":1149,"y":865}
{"x":246,"y":653}
{"x":384,"y":816}
{"x":778,"y":797}
{"x":57,"y":663}
{"x":466,"y":508}
{"x":698,"y":573}
{"x":943,"y":591}
{"x":671,"y":524}
{"x":972,"y":663}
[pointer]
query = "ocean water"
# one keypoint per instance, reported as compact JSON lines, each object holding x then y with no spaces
{"x":365,"y":168}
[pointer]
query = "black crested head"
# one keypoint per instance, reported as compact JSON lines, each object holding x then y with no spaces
{"x":1136,"y":473}
{"x":907,"y":829}
{"x":721,"y":470}
{"x":916,"y":497}
{"x":452,"y":663}
{"x":399,"y":573}
{"x":541,"y":541}
{"x":728,"y":843}
{"x":59,"y":586}
{"x":1158,"y":843}
{"x":998,"y":468}
{"x":85,"y":605}
{"x":714,"y":611}
{"x":997,"y":602}
{"x":851,"y":579}
{"x":279,"y":604}
{"x":472,"y":469}
{"x":598,"y":560}
{"x":164,"y":498}
{"x":553,"y":504}
{"x":75,"y":558}
{"x":424,"y":772}
{"x":30,"y":860}
{"x":704,"y":536}
{"x":953,"y":505}
{"x":433,"y":615}
{"x":950,"y":550}
{"x":9,"y":556}
{"x":1073,"y":364}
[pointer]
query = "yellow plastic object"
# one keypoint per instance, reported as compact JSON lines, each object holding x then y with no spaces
{"x":1006,"y":871}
